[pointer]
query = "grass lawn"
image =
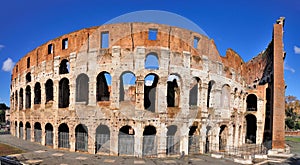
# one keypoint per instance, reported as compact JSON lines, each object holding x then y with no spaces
{"x":294,"y":143}
{"x":8,"y":150}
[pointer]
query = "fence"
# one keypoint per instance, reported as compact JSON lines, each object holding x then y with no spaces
{"x":63,"y":141}
{"x":126,"y":144}
{"x":49,"y":138}
{"x":81,"y":141}
{"x":102,"y":143}
{"x":28,"y":135}
{"x":232,"y":151}
{"x":149,"y":145}
{"x":37,"y":135}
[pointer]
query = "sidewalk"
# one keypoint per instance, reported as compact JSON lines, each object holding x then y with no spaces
{"x":38,"y":154}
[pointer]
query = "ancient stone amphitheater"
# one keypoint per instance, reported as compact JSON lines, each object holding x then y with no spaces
{"x":147,"y":89}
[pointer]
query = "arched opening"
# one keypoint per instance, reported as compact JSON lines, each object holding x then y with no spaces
{"x":151,"y":61}
{"x":251,"y":102}
{"x":21,"y":134}
{"x":194,"y":91}
{"x":82,"y":88}
{"x":103,"y":86}
{"x":37,"y":93}
{"x":209,"y":93}
{"x":49,"y":134}
{"x":173,"y":91}
{"x":21,"y":99}
{"x":49,"y":90}
{"x":127,"y":87}
{"x":28,"y":131}
{"x":63,"y":136}
{"x":28,"y":97}
{"x":81,"y":135}
{"x":28,"y":77}
{"x":251,"y":129}
{"x":16,"y":100}
{"x":64,"y":93}
{"x":149,"y":141}
{"x":126,"y":140}
{"x":225,"y":97}
{"x":64,"y":67}
{"x":193,"y":144}
{"x":172,"y":141}
{"x":102,"y":139}
{"x":16,"y":128}
{"x":37,"y":132}
{"x":150,"y":84}
{"x":223,"y":135}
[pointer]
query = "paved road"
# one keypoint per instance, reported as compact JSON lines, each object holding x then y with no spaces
{"x":39,"y":154}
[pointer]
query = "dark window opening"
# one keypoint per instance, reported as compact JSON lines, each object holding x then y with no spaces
{"x":127,"y":87}
{"x":82,"y":88}
{"x":151,"y":62}
{"x":16,"y":100}
{"x":209,"y":93}
{"x":194,"y":91}
{"x":223,"y":136}
{"x":103,"y":86}
{"x":17,"y":69}
{"x":21,"y":99}
{"x":152,"y":34}
{"x":251,"y":129}
{"x":173,"y":92}
{"x":251,"y":102}
{"x":50,"y":48}
{"x":49,"y":90}
{"x":64,"y":93}
{"x":150,"y":83}
{"x":64,"y":67}
{"x":28,"y":97}
{"x":37,"y":93}
{"x":21,"y":130}
{"x":28,"y":77}
{"x":65,"y":43}
{"x":28,"y":62}
{"x":37,"y":132}
{"x":104,"y":39}
{"x":196,"y":41}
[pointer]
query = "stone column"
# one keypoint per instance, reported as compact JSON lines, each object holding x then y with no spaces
{"x":184,"y":141}
{"x":138,"y":141}
{"x":72,"y":138}
{"x":161,"y":140}
{"x":55,"y":136}
{"x":115,"y":83}
{"x":114,"y":141}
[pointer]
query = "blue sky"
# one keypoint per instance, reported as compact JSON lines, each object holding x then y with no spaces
{"x":244,"y":26}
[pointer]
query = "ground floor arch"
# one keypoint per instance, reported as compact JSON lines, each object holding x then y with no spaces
{"x":49,"y":134}
{"x":223,"y":136}
{"x":149,"y":141}
{"x":81,"y":138}
{"x":126,"y":140}
{"x":28,"y":131}
{"x":173,"y":142}
{"x":102,"y":139}
{"x":193,"y":143}
{"x":251,"y":127}
{"x":37,"y":132}
{"x":21,"y":130}
{"x":63,"y":136}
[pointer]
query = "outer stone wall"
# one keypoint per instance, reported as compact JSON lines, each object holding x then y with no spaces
{"x":212,"y":103}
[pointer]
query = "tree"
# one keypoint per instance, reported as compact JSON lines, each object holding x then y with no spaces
{"x":292,"y":105}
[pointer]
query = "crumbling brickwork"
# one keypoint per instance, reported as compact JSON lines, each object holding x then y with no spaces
{"x":115,"y":90}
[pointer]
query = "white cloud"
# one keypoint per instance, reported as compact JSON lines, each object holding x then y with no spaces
{"x":288,"y":68}
{"x":296,"y":50}
{"x":1,"y":46}
{"x":8,"y":65}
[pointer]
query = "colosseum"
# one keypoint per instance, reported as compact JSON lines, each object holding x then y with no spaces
{"x":148,"y":89}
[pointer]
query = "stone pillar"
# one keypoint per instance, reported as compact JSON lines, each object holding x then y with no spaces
{"x":161,"y":101}
{"x":202,"y":139}
{"x":114,"y":142}
{"x":55,"y":136}
{"x":184,"y":141}
{"x":138,"y":141}
{"x":72,"y":82}
{"x":115,"y":84}
{"x":161,"y":140}
{"x":72,"y":138}
{"x":43,"y":136}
